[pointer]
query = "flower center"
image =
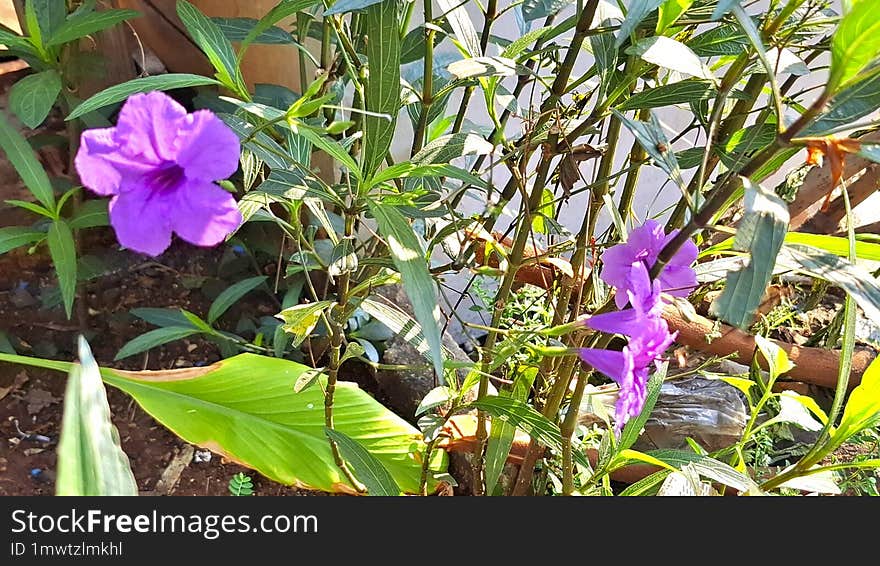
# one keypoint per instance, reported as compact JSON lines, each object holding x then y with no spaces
{"x":166,"y":178}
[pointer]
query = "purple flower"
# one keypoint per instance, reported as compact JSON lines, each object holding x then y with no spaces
{"x":642,"y":248}
{"x":159,"y":164}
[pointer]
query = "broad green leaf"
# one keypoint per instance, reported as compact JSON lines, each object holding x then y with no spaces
{"x":448,"y":147}
{"x":382,"y":91}
{"x":81,"y":25}
{"x":154,"y":338}
{"x":855,"y":101}
{"x":120,"y":92}
{"x":460,"y":22}
{"x":856,"y":43}
{"x":605,"y":52}
{"x":522,"y":416}
{"x":409,"y":258}
{"x":214,"y":44}
{"x":651,"y":137}
{"x":777,"y":360}
{"x":281,"y":10}
{"x":666,"y":95}
{"x":345,"y":6}
{"x":853,"y":279}
{"x":537,"y":9}
{"x":32,"y":98}
{"x":636,"y":11}
{"x":237,"y":29}
{"x":300,"y":320}
{"x":43,"y":18}
{"x":12,"y":237}
{"x":816,"y":482}
{"x":244,"y":408}
{"x":231,"y":294}
{"x":90,"y":214}
{"x":669,"y":12}
{"x":761,"y":233}
{"x":719,"y":41}
{"x":90,"y":458}
{"x":63,"y":252}
{"x":366,"y":467}
{"x":670,"y":54}
{"x":483,"y":67}
{"x":19,"y":153}
{"x":862,"y":407}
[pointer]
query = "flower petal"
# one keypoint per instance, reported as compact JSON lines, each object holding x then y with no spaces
{"x":140,"y":220}
{"x":101,"y":166}
{"x":203,"y":214}
{"x":678,"y":280}
{"x":209,"y":149}
{"x":148,"y":125}
{"x":609,"y":362}
{"x":617,"y":322}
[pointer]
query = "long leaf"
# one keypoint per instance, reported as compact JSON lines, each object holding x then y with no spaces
{"x":503,"y":433}
{"x":855,"y":101}
{"x":232,"y":294}
{"x":90,"y":458}
{"x":281,"y":10}
{"x":210,"y":39}
{"x":244,"y":409}
{"x":32,"y":98}
{"x":666,"y":95}
{"x":761,"y":233}
{"x":19,"y":153}
{"x":63,"y":252}
{"x":367,"y":468}
{"x":636,"y":12}
{"x":120,"y":92}
{"x":382,"y":91}
{"x":12,"y":237}
{"x":85,"y":24}
{"x":461,"y":25}
{"x":152,"y":339}
{"x":409,"y":259}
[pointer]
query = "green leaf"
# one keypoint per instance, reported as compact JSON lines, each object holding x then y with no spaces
{"x":344,"y":258}
{"x":832,"y":244}
{"x":345,"y":6}
{"x":12,"y":237}
{"x":382,"y":91}
{"x":522,"y":43}
{"x":32,"y":98}
{"x":651,"y":137}
{"x":536,"y":9}
{"x":12,"y":40}
{"x":761,"y":232}
{"x":90,"y":214}
{"x":408,"y":255}
{"x":777,"y":360}
{"x":522,"y":416}
{"x":708,"y":467}
{"x":448,"y":147}
{"x":719,"y":41}
{"x":483,"y":67}
{"x":43,"y":18}
{"x":366,"y":467}
{"x":214,"y":44}
{"x":862,"y":407}
{"x":63,"y":252}
{"x":162,"y":317}
{"x":460,"y":22}
{"x":243,"y":408}
{"x":633,"y":428}
{"x":410,"y":170}
{"x":90,"y":458}
{"x":853,"y":279}
{"x":636,"y":12}
{"x":237,"y":29}
{"x":120,"y":92}
{"x":503,"y":433}
{"x":300,"y":320}
{"x":81,"y":25}
{"x":21,"y":156}
{"x":666,"y":95}
{"x":669,"y":13}
{"x":400,"y":323}
{"x":855,"y":101}
{"x":281,"y":10}
{"x":670,"y":54}
{"x":152,"y":339}
{"x":231,"y":294}
{"x":856,"y":43}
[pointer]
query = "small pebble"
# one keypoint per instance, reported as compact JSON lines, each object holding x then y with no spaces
{"x":202,"y":456}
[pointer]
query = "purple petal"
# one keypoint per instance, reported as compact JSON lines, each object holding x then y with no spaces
{"x":203,"y":214}
{"x":209,"y":149}
{"x":614,"y":364}
{"x":148,"y":125}
{"x":618,"y":322}
{"x":102,"y":168}
{"x":678,"y":280}
{"x":649,"y":237}
{"x":140,"y":220}
{"x":686,"y":255}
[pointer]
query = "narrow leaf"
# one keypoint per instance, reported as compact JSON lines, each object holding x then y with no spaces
{"x":231,"y":295}
{"x":120,"y":92}
{"x":382,"y":91}
{"x":152,"y":339}
{"x":19,"y":153}
{"x":77,"y":26}
{"x":366,"y":467}
{"x":63,"y":252}
{"x":12,"y":237}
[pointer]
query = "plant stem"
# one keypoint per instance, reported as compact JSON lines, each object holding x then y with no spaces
{"x":427,"y":81}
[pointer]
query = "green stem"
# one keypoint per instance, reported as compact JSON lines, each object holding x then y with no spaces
{"x":427,"y":81}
